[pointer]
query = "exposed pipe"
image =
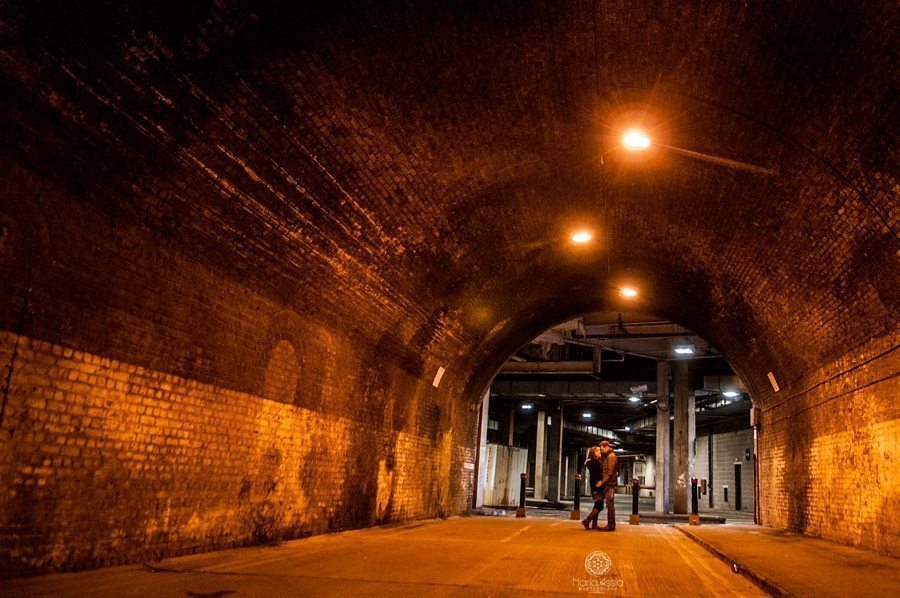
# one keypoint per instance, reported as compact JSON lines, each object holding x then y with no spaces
{"x":647,"y":336}
{"x":549,"y":367}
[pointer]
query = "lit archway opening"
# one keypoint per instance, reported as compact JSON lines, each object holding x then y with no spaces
{"x":598,"y":377}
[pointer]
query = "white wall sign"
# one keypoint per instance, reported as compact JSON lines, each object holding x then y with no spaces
{"x":437,"y":377}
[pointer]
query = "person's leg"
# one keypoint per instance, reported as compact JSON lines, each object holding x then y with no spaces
{"x":610,"y":509}
{"x":598,"y":506}
{"x":591,"y":520}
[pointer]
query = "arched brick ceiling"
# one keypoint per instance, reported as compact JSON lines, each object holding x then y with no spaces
{"x":428,"y":162}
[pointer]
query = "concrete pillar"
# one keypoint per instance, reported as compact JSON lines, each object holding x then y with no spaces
{"x":710,"y":468}
{"x":692,"y":439}
{"x":662,"y":437}
{"x":512,"y":425}
{"x":555,"y":455}
{"x":540,"y":455}
{"x":481,"y":469}
{"x":681,"y":458}
{"x":650,"y":471}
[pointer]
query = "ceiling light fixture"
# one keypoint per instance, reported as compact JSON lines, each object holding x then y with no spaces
{"x":527,"y":406}
{"x":582,"y":237}
{"x":731,"y":393}
{"x":684,"y":349}
{"x":586,"y":415}
{"x":628,"y":428}
{"x":634,"y":399}
{"x":635,"y":140}
{"x":628,"y":292}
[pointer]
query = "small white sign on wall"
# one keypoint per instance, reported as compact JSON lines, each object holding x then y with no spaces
{"x":775,"y":386}
{"x":437,"y":377}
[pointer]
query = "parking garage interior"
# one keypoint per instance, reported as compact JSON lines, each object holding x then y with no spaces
{"x":596,"y":377}
{"x":276,"y":277}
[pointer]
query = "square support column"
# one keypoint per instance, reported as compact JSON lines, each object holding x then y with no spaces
{"x":662,"y":438}
{"x":481,"y":465}
{"x":681,"y":459}
{"x":555,"y":455}
{"x":540,"y":455}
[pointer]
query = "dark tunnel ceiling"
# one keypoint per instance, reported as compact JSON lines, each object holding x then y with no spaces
{"x":434,"y":158}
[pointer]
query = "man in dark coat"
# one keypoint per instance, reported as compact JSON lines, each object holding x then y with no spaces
{"x":609,"y":466}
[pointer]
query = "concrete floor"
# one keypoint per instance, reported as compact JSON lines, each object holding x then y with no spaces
{"x":797,"y":565}
{"x":468,"y":556}
{"x":502,"y":556}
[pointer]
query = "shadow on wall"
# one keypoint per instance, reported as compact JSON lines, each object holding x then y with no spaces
{"x":797,"y":474}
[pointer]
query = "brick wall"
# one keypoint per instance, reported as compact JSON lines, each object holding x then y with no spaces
{"x":317,"y":208}
{"x":829,"y":448}
{"x":104,"y":462}
{"x":155,"y":404}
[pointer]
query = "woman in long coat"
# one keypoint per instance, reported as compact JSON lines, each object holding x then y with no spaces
{"x":595,"y":469}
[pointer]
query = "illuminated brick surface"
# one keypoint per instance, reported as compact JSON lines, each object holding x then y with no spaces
{"x":236,"y":244}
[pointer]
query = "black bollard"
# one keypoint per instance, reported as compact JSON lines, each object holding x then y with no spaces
{"x":635,"y":492}
{"x":695,"y":507}
{"x":576,"y":508}
{"x":635,"y":518}
{"x":520,"y":512}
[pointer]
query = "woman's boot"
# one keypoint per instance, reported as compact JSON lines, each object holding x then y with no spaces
{"x":591,"y":520}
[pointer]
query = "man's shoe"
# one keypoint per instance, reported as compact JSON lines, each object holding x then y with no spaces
{"x":594,"y":524}
{"x":607,"y":529}
{"x":586,"y":523}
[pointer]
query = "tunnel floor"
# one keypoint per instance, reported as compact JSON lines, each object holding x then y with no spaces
{"x":500,"y":556}
{"x":460,"y":556}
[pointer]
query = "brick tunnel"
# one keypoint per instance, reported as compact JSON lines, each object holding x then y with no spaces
{"x":261,"y":263}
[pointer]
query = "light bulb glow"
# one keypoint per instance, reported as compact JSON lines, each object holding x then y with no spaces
{"x":684,"y":349}
{"x":635,"y":140}
{"x":628,"y":292}
{"x":634,"y":399}
{"x":731,"y":393}
{"x":582,"y":237}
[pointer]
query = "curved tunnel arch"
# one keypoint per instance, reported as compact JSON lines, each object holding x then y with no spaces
{"x":404,"y":180}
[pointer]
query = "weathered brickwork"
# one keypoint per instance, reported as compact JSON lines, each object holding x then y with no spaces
{"x":110,"y":463}
{"x":830,"y":452}
{"x":314,"y":208}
